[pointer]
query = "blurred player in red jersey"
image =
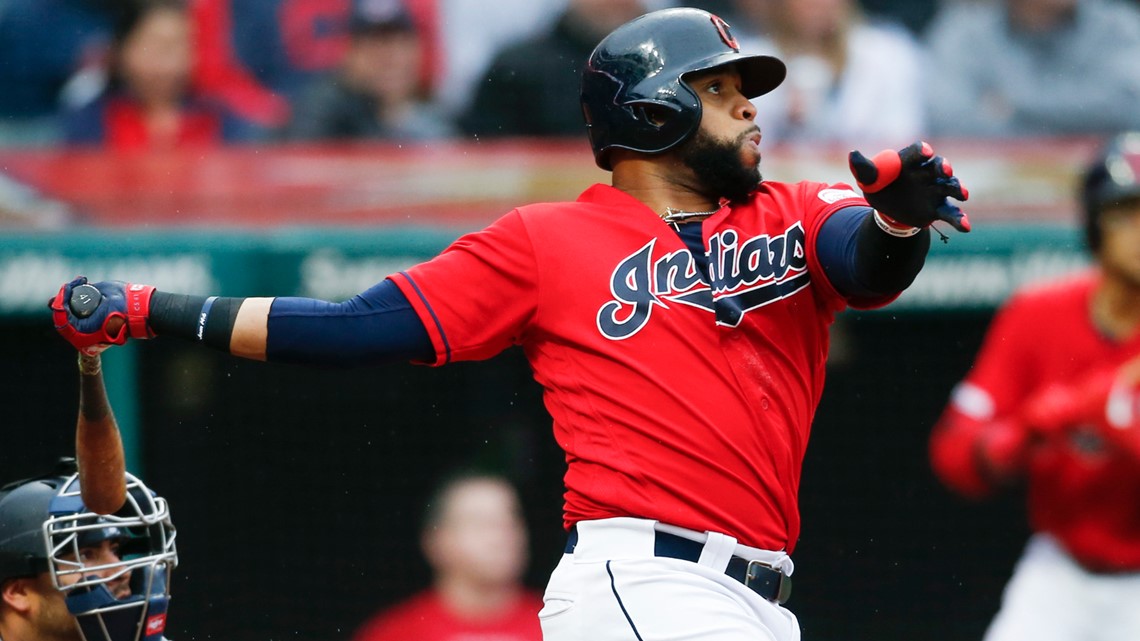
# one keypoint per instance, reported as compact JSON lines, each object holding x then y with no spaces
{"x":1048,"y":401}
{"x":676,"y":319}
{"x":475,"y":540}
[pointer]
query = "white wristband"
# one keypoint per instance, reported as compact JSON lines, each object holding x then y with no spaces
{"x":894,"y":229}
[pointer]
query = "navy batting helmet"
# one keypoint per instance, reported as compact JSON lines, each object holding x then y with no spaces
{"x":634,"y":95}
{"x":44,"y":527}
{"x":1113,"y":178}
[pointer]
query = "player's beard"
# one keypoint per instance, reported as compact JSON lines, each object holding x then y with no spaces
{"x":719,"y":169}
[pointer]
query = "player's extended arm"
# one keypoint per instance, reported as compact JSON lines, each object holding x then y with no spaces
{"x":975,"y":456}
{"x":378,"y":325}
{"x":975,"y":453}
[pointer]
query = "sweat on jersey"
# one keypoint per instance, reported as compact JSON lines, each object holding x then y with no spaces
{"x":674,"y":400}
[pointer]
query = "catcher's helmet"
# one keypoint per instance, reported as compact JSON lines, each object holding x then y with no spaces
{"x":1111,"y":179}
{"x":43,"y":528}
{"x":634,"y":95}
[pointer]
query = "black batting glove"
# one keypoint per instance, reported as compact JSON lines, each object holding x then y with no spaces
{"x":911,"y":186}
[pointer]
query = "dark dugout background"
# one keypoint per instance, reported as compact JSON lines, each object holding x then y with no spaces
{"x":297,"y":493}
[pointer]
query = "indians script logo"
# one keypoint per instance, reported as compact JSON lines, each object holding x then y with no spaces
{"x":745,"y":275}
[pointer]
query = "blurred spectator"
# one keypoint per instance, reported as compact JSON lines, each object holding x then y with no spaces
{"x":850,"y":80}
{"x":1034,"y":67}
{"x":472,"y":31}
{"x":914,"y":14}
{"x":475,"y":540}
{"x":259,"y":56}
{"x":754,"y":18}
{"x":377,"y":91}
{"x":532,"y":86}
{"x":43,"y":44}
{"x":148,"y":103}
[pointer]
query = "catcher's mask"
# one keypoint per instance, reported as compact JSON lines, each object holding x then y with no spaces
{"x":1112,"y":179}
{"x":45,"y":527}
{"x":634,"y":94}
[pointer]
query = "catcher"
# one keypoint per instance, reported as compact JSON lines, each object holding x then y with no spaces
{"x":68,"y":574}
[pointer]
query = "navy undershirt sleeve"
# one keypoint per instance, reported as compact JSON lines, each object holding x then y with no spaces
{"x":377,"y":326}
{"x":864,"y":262}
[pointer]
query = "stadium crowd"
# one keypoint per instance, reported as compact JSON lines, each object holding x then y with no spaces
{"x":156,"y":73}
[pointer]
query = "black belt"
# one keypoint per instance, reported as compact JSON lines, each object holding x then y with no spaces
{"x":769,"y":583}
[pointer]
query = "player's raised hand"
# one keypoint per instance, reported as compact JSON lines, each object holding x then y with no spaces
{"x":911,"y":186}
{"x":93,"y":316}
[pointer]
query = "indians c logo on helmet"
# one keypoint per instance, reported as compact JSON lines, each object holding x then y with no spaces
{"x":745,"y":275}
{"x":724,"y":31}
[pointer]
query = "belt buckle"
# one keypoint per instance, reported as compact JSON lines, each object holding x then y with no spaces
{"x":752,"y":573}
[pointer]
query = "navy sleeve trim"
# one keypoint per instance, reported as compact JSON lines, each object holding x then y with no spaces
{"x":434,"y":317}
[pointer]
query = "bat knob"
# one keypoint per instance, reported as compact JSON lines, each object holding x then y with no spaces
{"x":84,"y":300}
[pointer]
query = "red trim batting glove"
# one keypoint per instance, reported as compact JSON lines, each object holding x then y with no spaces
{"x":121,"y":313}
{"x":910,"y":187}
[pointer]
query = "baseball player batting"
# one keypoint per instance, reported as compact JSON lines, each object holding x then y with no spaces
{"x":677,"y":320}
{"x":1052,"y":401}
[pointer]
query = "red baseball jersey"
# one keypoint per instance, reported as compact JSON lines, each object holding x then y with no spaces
{"x":1081,"y":490}
{"x":424,"y":617}
{"x":673,"y":399}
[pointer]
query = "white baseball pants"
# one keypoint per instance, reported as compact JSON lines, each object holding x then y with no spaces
{"x":613,"y":588}
{"x":1052,"y":598}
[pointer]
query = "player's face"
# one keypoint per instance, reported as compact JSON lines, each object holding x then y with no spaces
{"x":1120,"y":248}
{"x":724,"y":154}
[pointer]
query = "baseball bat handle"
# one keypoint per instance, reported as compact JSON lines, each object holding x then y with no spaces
{"x":98,"y":444}
{"x":84,"y":300}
